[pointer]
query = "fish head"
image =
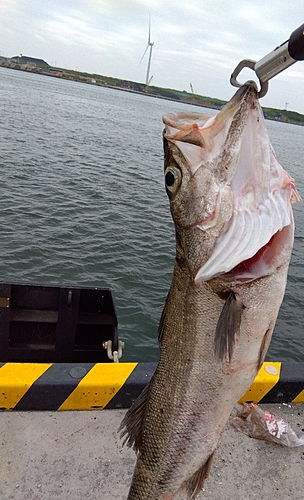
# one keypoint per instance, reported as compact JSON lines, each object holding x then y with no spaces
{"x":228,"y":194}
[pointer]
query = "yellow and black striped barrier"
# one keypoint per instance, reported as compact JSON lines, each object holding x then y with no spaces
{"x":91,"y":386}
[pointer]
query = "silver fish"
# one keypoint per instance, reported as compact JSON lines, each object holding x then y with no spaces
{"x":231,"y":204}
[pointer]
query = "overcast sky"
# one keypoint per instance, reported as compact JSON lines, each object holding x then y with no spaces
{"x":195,"y":41}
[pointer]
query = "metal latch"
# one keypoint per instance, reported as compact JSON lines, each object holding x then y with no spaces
{"x":114,"y":355}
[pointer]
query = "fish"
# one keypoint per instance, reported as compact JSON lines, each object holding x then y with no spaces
{"x":231,"y":203}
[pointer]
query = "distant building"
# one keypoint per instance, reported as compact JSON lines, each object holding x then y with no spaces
{"x":4,"y":61}
{"x":29,"y":61}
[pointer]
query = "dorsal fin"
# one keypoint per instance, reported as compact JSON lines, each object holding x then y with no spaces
{"x":161,"y":325}
{"x":132,"y":425}
{"x":228,"y":327}
{"x":194,"y":485}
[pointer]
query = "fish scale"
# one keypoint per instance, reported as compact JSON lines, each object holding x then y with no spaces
{"x":214,"y":333}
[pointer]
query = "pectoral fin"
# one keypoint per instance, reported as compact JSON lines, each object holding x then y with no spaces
{"x":228,"y":327}
{"x":162,"y":325}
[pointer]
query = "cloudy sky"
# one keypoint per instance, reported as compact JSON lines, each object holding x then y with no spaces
{"x":195,"y":41}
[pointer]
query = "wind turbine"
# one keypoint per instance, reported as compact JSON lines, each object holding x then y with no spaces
{"x":150,"y":44}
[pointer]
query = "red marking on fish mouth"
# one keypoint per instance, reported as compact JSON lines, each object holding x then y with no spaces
{"x":248,"y":263}
{"x":265,"y":259}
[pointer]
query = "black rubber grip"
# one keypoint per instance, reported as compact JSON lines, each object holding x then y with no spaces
{"x":296,"y":44}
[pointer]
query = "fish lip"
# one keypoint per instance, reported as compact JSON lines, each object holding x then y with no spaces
{"x":249,"y":85}
{"x":248,"y":90}
{"x":198,"y":225}
{"x":203,"y":224}
{"x":174,"y":119}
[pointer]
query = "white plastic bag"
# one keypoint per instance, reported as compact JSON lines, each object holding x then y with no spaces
{"x":260,"y":424}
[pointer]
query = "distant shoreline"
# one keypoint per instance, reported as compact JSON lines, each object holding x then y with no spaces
{"x":184,"y":97}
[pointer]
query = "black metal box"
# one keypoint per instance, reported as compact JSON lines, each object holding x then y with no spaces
{"x":41,"y":323}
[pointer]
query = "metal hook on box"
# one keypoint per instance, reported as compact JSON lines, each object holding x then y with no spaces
{"x":114,"y":355}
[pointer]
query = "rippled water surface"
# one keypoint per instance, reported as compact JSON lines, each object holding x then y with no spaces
{"x":83,"y":202}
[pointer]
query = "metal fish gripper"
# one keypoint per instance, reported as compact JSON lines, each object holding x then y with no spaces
{"x":273,"y":63}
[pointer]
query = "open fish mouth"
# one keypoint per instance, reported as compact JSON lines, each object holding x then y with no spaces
{"x":234,"y":147}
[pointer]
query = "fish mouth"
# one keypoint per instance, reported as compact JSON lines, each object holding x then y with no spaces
{"x":262,"y":194}
{"x":265,"y":261}
{"x":201,"y":138}
{"x":235,"y":146}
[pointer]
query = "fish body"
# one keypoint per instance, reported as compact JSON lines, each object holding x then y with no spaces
{"x":231,"y":204}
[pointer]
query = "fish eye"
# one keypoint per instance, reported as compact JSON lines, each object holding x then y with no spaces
{"x":173,"y":179}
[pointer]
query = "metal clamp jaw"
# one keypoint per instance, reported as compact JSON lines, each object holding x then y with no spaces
{"x":248,"y":63}
{"x":275,"y":62}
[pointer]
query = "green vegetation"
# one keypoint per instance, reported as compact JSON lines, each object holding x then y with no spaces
{"x":183,"y":96}
{"x":100,"y":79}
{"x":284,"y":115}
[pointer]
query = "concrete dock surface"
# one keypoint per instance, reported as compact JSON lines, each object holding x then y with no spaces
{"x":78,"y":455}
